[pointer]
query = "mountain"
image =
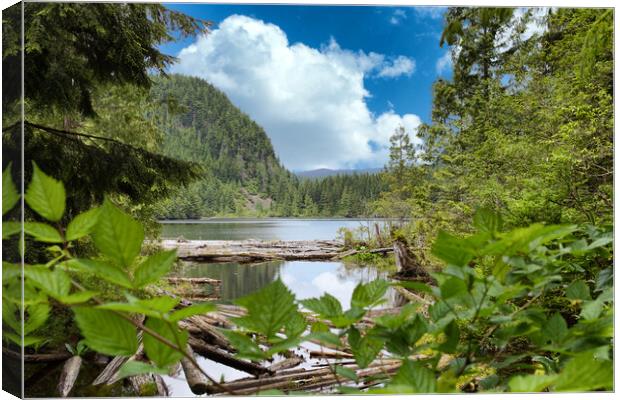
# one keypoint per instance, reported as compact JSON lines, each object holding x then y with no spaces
{"x":324,"y":172}
{"x":242,"y":174}
{"x":200,"y":124}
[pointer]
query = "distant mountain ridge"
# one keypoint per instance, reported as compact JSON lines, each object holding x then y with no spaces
{"x":324,"y":172}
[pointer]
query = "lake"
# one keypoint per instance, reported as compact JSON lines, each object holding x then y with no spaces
{"x":304,"y":278}
{"x":264,"y":228}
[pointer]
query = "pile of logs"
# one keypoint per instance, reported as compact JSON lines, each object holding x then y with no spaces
{"x":286,"y":374}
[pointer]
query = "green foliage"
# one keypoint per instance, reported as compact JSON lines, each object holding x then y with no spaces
{"x":46,"y":196}
{"x":10,"y":196}
{"x":118,"y":236}
{"x":107,"y":327}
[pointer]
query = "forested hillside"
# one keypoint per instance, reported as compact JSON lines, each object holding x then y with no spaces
{"x":242,"y":175}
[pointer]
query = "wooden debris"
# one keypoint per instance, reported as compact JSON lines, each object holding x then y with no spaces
{"x":68,"y":376}
{"x":222,"y":357}
{"x":407,"y":264}
{"x":330,"y":354}
{"x":382,"y":250}
{"x":37,"y":358}
{"x":209,"y":281}
{"x":196,"y":380}
{"x":287,"y":363}
{"x":249,"y":251}
{"x":305,"y":379}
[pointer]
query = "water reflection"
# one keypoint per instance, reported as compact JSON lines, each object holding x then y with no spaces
{"x":304,"y":278}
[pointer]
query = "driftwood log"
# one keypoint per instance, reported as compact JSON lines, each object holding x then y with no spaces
{"x":196,"y":380}
{"x":37,"y":358}
{"x":222,"y":357}
{"x":68,"y":376}
{"x":250,"y":251}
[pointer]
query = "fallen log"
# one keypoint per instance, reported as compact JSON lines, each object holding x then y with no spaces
{"x":302,"y":380}
{"x":382,"y":250}
{"x":68,"y":376}
{"x":209,"y":281}
{"x":250,"y":251}
{"x":196,"y":380}
{"x":37,"y":358}
{"x":222,"y":357}
{"x":408,"y":266}
{"x":148,"y":385}
{"x":202,"y":329}
{"x":287,"y":363}
{"x":329,"y":354}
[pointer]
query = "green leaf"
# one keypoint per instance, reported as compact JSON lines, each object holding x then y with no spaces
{"x":55,"y":283}
{"x":154,"y":267}
{"x":452,"y":333}
{"x":106,"y":332}
{"x":10,"y":196}
{"x":452,"y":249}
{"x":36,"y":316}
{"x":83,"y":224}
{"x":245,"y":346}
{"x":530,"y":383}
{"x":346,"y":372}
{"x":154,"y":307}
{"x":585,"y":373}
{"x":159,"y":353}
{"x":365,"y":349}
{"x":327,"y":306}
{"x":103,"y":270}
{"x":415,"y":377}
{"x":10,"y":228}
{"x":118,"y":236}
{"x":194,"y":309}
{"x":269,"y":309}
{"x":369,"y":294}
{"x":591,"y":310}
{"x":578,"y":290}
{"x":42,"y":232}
{"x":487,"y":221}
{"x":453,"y":287}
{"x":328,"y":338}
{"x":45,"y":195}
{"x":133,"y":368}
{"x":555,"y":329}
{"x":77,"y":297}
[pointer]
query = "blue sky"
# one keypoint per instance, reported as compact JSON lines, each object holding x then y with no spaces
{"x":335,"y":80}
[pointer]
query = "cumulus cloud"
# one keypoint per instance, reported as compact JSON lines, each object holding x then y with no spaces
{"x":311,"y":102}
{"x":400,"y":66}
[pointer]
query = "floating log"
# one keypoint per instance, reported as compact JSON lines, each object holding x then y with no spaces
{"x":196,"y":380}
{"x":69,"y":374}
{"x":250,"y":251}
{"x":222,"y":357}
{"x":209,"y":281}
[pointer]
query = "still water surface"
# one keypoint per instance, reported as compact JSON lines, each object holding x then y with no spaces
{"x":264,"y":228}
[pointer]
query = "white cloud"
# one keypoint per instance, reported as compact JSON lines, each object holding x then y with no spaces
{"x":430,"y":12}
{"x":444,"y":63}
{"x":400,"y":66}
{"x":398,"y":16}
{"x":310,"y":101}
